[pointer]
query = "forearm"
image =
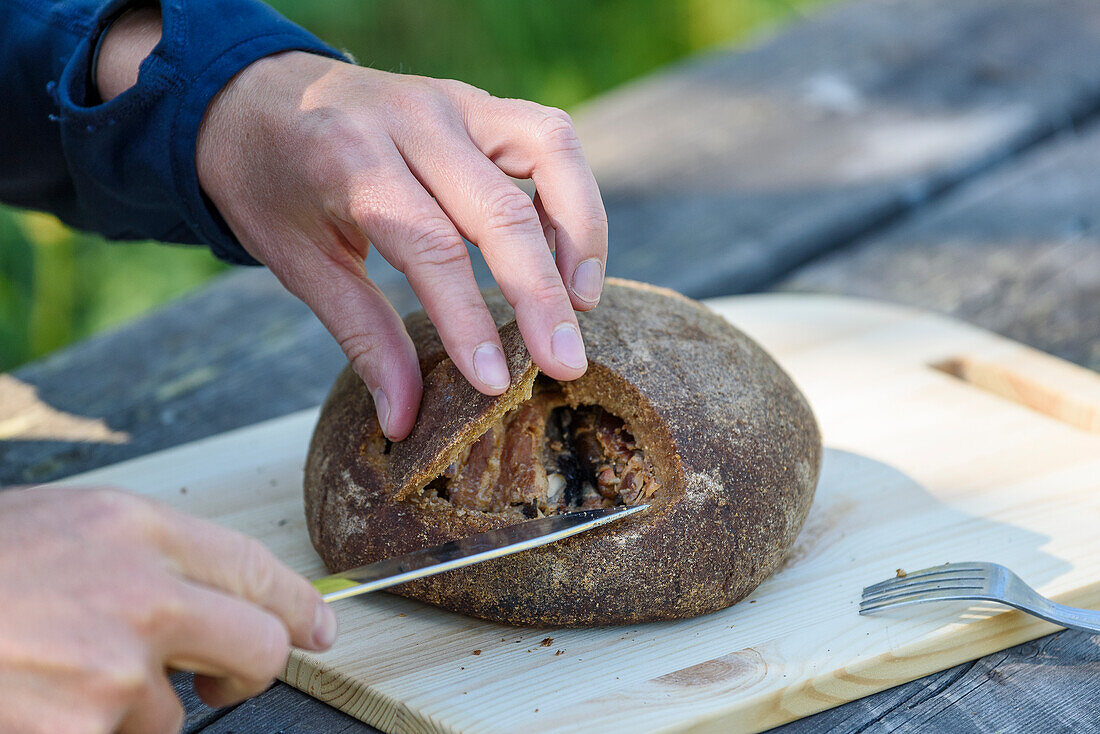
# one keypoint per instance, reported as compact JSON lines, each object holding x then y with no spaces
{"x":112,"y":148}
{"x":122,"y":49}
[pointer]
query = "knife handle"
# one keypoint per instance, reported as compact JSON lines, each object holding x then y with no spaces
{"x":329,"y":584}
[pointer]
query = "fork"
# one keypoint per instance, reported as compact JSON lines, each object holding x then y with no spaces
{"x":974,"y":581}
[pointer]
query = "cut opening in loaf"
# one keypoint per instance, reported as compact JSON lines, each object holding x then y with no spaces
{"x":545,"y":457}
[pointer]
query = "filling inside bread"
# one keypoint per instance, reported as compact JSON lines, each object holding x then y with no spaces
{"x":546,"y":457}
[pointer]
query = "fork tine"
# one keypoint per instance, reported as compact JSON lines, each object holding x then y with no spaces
{"x":933,"y":571}
{"x":923,"y":588}
{"x":944,"y":595}
{"x":917,"y":584}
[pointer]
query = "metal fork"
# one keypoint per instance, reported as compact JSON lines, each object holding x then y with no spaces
{"x":974,"y":581}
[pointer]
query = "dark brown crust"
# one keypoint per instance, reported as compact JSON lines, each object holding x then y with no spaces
{"x":453,"y":414}
{"x":733,"y":442}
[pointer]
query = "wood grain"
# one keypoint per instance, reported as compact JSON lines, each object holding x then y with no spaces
{"x":242,"y":350}
{"x":1017,"y":252}
{"x":756,"y":160}
{"x":921,"y":468}
{"x":748,"y":161}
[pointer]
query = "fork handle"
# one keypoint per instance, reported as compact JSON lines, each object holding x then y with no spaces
{"x":1083,"y":620}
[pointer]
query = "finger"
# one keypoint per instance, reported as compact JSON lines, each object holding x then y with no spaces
{"x":418,"y":239}
{"x":216,"y":633}
{"x":233,"y":563}
{"x":495,"y":214}
{"x":528,"y":140}
{"x":372,"y":335}
{"x":157,"y":709}
{"x":548,"y":230}
{"x":218,"y":692}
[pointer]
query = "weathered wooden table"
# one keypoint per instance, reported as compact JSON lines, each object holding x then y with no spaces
{"x":941,"y":153}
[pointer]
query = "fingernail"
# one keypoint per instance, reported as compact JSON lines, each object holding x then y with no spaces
{"x":566,"y":344}
{"x":324,"y":627}
{"x":382,"y":406}
{"x":490,"y":366}
{"x":587,"y":281}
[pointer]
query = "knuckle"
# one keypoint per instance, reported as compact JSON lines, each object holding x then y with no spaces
{"x":436,"y":244}
{"x":348,"y":157}
{"x":594,"y":221}
{"x":171,"y":610}
{"x":509,"y":208}
{"x":361,"y":350}
{"x":158,"y":608}
{"x":362,"y":209}
{"x":95,"y":719}
{"x":259,"y":575}
{"x":272,"y":651}
{"x":421,"y":101}
{"x":76,"y":722}
{"x":124,"y":513}
{"x":546,"y":289}
{"x":457,"y":88}
{"x":120,"y":677}
{"x":555,"y":134}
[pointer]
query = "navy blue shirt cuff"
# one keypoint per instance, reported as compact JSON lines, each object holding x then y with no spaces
{"x":132,"y":159}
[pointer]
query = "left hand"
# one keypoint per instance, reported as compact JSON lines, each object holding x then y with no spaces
{"x":312,"y":160}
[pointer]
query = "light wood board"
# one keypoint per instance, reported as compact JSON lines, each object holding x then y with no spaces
{"x":944,"y":443}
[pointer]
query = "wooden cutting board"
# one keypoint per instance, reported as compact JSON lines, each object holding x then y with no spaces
{"x":944,"y":443}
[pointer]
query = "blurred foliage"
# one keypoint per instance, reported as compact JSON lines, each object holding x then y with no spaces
{"x":57,"y":286}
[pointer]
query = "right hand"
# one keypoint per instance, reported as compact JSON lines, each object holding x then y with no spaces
{"x":102,"y":590}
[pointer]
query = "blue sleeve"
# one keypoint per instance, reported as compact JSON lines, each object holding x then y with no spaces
{"x":125,"y":168}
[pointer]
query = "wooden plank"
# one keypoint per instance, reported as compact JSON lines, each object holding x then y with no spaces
{"x":288,"y":711}
{"x":231,"y":354}
{"x":995,"y":478}
{"x":1017,"y":252}
{"x":967,"y":61}
{"x":1049,"y":684}
{"x":745,"y":164}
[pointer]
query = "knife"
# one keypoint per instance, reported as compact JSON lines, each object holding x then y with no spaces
{"x":466,"y":551}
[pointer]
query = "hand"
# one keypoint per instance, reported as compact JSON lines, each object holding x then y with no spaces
{"x":101,"y":590}
{"x":312,"y":160}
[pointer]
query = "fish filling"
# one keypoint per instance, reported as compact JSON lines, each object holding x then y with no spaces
{"x":546,"y":457}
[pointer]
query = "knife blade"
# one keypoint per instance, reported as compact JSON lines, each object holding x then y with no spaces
{"x":466,"y":551}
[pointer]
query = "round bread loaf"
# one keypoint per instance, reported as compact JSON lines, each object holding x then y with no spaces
{"x":677,"y":409}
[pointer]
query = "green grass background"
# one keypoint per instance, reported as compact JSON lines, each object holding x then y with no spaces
{"x":57,"y":286}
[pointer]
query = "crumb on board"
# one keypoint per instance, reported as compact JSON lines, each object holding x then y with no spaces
{"x":752,"y":601}
{"x":547,"y":642}
{"x":559,"y":652}
{"x":900,"y":573}
{"x":183,"y":490}
{"x":477,"y":652}
{"x":282,"y":521}
{"x":401,"y":615}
